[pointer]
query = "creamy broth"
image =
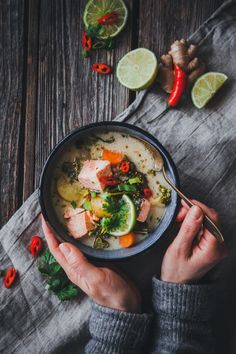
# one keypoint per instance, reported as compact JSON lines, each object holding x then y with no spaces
{"x":136,"y":152}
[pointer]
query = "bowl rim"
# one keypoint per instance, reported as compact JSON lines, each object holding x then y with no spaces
{"x":108,"y":124}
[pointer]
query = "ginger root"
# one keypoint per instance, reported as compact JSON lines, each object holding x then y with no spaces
{"x":184,"y":56}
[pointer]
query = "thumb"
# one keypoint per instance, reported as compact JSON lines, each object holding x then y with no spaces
{"x":76,"y":260}
{"x":189,"y":229}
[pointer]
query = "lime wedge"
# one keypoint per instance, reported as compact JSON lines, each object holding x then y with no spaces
{"x":98,"y":8}
{"x":205,"y":88}
{"x":130,"y":220}
{"x":137,"y":70}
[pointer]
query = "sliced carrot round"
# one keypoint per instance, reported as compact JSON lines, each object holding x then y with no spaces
{"x":114,"y":157}
{"x":127,"y":240}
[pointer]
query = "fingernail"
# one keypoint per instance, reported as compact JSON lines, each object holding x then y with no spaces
{"x":195,"y":212}
{"x":65,"y":249}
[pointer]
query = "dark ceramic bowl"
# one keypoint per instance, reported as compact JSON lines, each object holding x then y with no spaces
{"x":46,"y":180}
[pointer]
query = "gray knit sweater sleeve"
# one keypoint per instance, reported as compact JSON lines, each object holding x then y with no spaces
{"x":182,"y":318}
{"x":116,"y":332}
{"x":181,"y":324}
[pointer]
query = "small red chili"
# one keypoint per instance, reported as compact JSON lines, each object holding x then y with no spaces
{"x":147,"y":192}
{"x":86,"y":42}
{"x":178,"y":87}
{"x":102,"y":68}
{"x":125,"y":167}
{"x":108,"y":19}
{"x":109,"y":180}
{"x":36,"y":245}
{"x":9,"y":277}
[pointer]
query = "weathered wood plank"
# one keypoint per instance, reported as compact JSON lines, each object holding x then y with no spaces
{"x":69,"y":94}
{"x":11,"y":118}
{"x":163,"y":21}
{"x":62,"y":93}
{"x":31,"y":96}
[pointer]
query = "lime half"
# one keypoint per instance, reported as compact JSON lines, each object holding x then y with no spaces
{"x":137,"y":70}
{"x":130,"y":218}
{"x":205,"y":88}
{"x":98,"y":8}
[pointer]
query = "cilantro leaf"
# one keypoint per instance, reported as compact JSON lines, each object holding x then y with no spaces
{"x":119,"y":211}
{"x":57,"y":283}
{"x":69,"y":292}
{"x":56,"y":278}
{"x":111,"y":205}
{"x":48,"y":264}
{"x":73,"y":204}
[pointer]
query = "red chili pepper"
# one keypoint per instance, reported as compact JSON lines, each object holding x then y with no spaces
{"x":9,"y":277}
{"x":36,"y":245}
{"x":102,"y":68}
{"x":109,"y":180}
{"x":108,"y":19}
{"x":147,"y":192}
{"x":125,"y":167}
{"x":178,"y":87}
{"x":86,"y":42}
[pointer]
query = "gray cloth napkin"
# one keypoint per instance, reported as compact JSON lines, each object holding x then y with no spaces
{"x":203,"y":146}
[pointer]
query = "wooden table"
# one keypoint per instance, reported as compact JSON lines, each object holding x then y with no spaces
{"x":47,"y":87}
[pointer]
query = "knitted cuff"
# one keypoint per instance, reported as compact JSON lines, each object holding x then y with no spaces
{"x":118,"y":329}
{"x":183,"y":301}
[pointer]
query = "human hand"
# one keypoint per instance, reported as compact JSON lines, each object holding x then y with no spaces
{"x":103,"y":285}
{"x":189,"y":257}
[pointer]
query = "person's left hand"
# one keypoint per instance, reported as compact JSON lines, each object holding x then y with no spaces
{"x":103,"y":285}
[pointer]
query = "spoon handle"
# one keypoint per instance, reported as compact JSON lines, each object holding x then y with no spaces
{"x":207,"y":222}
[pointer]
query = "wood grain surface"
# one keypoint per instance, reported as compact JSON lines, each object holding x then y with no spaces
{"x":11,"y":106}
{"x":47,"y":87}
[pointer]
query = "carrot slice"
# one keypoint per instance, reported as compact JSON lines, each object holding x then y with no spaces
{"x":114,"y":157}
{"x":127,"y":240}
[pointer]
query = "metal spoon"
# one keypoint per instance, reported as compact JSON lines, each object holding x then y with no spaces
{"x":159,"y":167}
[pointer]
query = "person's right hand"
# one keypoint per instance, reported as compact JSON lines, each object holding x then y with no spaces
{"x":189,"y":258}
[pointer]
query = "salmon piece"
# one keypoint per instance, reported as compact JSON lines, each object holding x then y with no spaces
{"x":80,"y":224}
{"x":69,"y":211}
{"x":91,"y":171}
{"x":95,"y":218}
{"x":144,"y":210}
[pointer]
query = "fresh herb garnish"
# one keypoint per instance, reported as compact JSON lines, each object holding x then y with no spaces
{"x":126,"y":188}
{"x":73,"y":204}
{"x":119,"y":210}
{"x":135,"y":180}
{"x":87,"y":205}
{"x":108,"y":44}
{"x":56,"y":278}
{"x":92,"y":140}
{"x":165,"y":195}
{"x":108,"y":140}
{"x":100,"y":243}
{"x":71,"y":169}
{"x":111,"y":206}
{"x":93,"y":194}
{"x":68,"y":292}
{"x":151,"y":172}
{"x":94,"y":31}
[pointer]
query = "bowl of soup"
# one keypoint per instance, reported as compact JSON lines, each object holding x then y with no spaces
{"x":99,"y":190}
